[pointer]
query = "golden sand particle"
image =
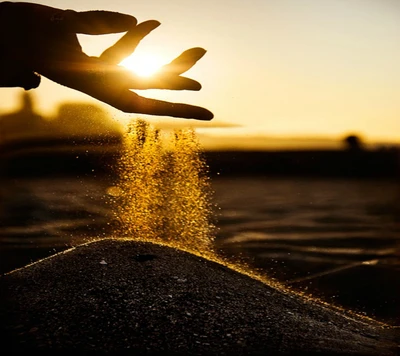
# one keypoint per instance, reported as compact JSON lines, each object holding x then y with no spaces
{"x":164,"y":196}
{"x":165,"y":193}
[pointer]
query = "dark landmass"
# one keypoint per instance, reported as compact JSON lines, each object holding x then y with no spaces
{"x":124,"y":297}
{"x":60,"y":157}
{"x":100,"y":155}
{"x":83,"y":138}
{"x":312,"y":163}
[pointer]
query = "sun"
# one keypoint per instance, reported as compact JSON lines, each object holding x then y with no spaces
{"x":143,"y":64}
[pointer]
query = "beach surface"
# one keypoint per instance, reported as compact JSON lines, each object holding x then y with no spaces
{"x":121,"y":297}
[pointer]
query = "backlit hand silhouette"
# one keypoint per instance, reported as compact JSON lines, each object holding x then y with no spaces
{"x":41,"y":40}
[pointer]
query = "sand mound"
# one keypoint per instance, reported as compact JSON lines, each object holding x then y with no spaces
{"x":126,"y":297}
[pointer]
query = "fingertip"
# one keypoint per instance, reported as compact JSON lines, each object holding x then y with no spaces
{"x":149,"y":25}
{"x":188,"y":84}
{"x":204,"y":115}
{"x":195,"y":86}
{"x":184,"y":83}
{"x":178,"y":83}
{"x":209,"y":116}
{"x":200,"y":49}
{"x":198,"y":52}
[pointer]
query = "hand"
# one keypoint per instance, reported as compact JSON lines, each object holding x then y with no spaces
{"x":40,"y":40}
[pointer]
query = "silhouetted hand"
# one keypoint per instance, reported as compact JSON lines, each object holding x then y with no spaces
{"x":40,"y":40}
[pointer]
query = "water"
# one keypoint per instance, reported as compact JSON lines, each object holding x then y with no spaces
{"x":337,"y":240}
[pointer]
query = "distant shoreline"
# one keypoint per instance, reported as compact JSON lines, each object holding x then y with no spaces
{"x":83,"y":155}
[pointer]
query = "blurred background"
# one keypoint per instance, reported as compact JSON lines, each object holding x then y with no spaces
{"x":303,"y":153}
{"x":309,"y":72}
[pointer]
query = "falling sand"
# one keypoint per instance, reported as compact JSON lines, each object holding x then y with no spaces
{"x":129,"y":297}
{"x":164,"y":193}
{"x":164,"y":196}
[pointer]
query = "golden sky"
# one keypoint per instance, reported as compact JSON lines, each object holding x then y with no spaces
{"x":276,"y":67}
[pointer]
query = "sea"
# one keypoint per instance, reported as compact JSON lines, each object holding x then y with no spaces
{"x":335,"y":240}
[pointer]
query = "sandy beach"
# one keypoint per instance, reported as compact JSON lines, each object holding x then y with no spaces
{"x":126,"y":297}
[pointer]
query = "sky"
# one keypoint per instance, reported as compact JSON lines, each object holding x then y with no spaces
{"x":273,"y":67}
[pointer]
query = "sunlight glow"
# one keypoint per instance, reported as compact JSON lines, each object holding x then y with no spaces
{"x":143,"y":64}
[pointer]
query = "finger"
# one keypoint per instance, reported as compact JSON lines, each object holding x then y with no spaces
{"x":129,"y":80}
{"x":13,"y":75}
{"x":130,"y":102}
{"x":95,"y":22}
{"x":110,"y":84}
{"x":171,"y":82}
{"x":128,"y":43}
{"x":184,"y":62}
